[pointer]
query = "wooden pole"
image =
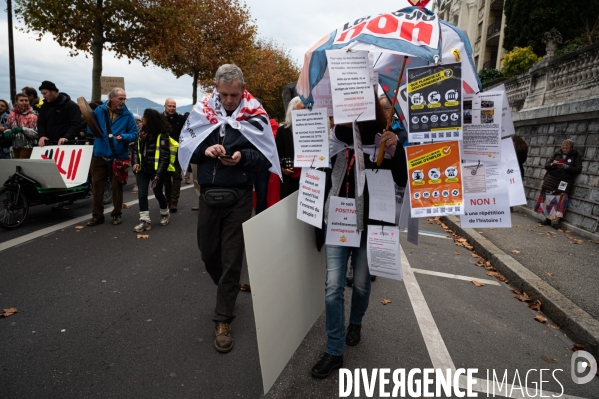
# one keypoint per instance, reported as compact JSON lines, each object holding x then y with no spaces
{"x":381,"y":154}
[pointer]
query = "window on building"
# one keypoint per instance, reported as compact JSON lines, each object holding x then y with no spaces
{"x":476,"y":62}
{"x":482,"y":3}
{"x":455,"y":20}
{"x":480,"y":30}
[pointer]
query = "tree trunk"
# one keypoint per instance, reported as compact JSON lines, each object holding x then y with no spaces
{"x":194,"y":84}
{"x":97,"y":47}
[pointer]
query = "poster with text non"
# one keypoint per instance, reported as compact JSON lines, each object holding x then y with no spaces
{"x":435,"y":180}
{"x":342,"y":223}
{"x":434,"y":103}
{"x":482,"y":127}
{"x":351,"y":86}
{"x":486,"y":210}
{"x":72,"y":161}
{"x":310,"y":201}
{"x":310,"y":138}
{"x":383,"y":252}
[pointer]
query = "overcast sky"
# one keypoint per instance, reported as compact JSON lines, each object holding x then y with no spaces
{"x":296,"y":25}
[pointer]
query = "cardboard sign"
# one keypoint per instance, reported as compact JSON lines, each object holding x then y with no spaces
{"x":434,"y":99}
{"x":482,"y":127}
{"x":434,"y":177}
{"x":107,"y":83}
{"x":351,"y":87}
{"x":342,"y":224}
{"x":310,"y":201}
{"x":72,"y":161}
{"x":382,"y":251}
{"x":310,"y":138}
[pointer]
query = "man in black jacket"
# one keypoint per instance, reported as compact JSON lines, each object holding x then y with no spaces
{"x":227,"y":160}
{"x":59,"y":117}
{"x":172,"y":184}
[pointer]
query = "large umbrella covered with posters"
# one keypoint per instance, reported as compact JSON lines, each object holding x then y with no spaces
{"x":414,"y":32}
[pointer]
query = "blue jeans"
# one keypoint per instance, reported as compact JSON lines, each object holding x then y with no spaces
{"x":337,"y":258}
{"x":261,"y":186}
{"x":5,"y":153}
{"x":143,"y":183}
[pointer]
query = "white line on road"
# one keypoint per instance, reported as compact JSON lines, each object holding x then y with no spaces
{"x":437,"y":350}
{"x":430,"y":234}
{"x":48,"y":230}
{"x":455,"y":276}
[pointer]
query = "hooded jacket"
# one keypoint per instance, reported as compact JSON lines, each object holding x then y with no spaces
{"x":555,"y":175}
{"x":59,"y":119}
{"x":28,"y":121}
{"x":144,"y":154}
{"x":122,"y":125}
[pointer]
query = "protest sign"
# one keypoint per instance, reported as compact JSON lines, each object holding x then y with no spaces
{"x":381,"y":195}
{"x":321,"y":93}
{"x":359,"y":163}
{"x":351,"y":86}
{"x":482,"y":127}
{"x":486,"y":210}
{"x":507,"y":123}
{"x":434,"y":179}
{"x":434,"y":97}
{"x":310,"y":201}
{"x":474,"y":178}
{"x":72,"y":161}
{"x":383,"y":252}
{"x":342,"y":223}
{"x":310,"y":137}
{"x":509,"y":163}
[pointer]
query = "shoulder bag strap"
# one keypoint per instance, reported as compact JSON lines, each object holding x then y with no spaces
{"x":109,"y":130}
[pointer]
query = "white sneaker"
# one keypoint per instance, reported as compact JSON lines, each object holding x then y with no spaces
{"x":142,"y":226}
{"x":135,"y":190}
{"x":164,"y":219}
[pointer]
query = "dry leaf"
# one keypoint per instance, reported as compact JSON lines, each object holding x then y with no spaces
{"x":515,"y":251}
{"x":79,"y":227}
{"x":143,"y":236}
{"x":8,"y":312}
{"x":468,"y":246}
{"x":549,"y":359}
{"x":536,"y":305}
{"x":497,"y":276}
{"x":577,"y":347}
{"x":125,"y":206}
{"x":478,"y":283}
{"x":490,"y":268}
{"x":523,"y":298}
{"x":245,"y":287}
{"x":555,"y":327}
{"x":540,"y":319}
{"x":385,"y":301}
{"x":515,"y":291}
{"x":474,"y":255}
{"x":549,"y":274}
{"x":456,"y":252}
{"x":542,"y":234}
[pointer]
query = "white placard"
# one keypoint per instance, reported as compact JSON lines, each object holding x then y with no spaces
{"x":474,"y":177}
{"x":342,"y":223}
{"x":287,"y":300}
{"x":351,"y":86}
{"x":42,"y":171}
{"x":509,"y":163}
{"x":507,"y":123}
{"x":72,"y":161}
{"x":359,"y":163}
{"x":310,"y":201}
{"x":310,"y":138}
{"x":482,"y":127}
{"x":486,"y":210}
{"x":381,"y":194}
{"x":321,"y":93}
{"x":383,"y":252}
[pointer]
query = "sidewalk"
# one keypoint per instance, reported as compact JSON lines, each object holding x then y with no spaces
{"x":558,"y":267}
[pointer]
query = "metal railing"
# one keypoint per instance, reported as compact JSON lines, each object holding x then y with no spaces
{"x":490,"y":64}
{"x":494,"y":29}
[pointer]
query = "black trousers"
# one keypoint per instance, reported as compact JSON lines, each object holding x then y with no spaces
{"x":220,"y":239}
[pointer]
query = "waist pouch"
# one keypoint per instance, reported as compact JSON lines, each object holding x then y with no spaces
{"x":222,"y":197}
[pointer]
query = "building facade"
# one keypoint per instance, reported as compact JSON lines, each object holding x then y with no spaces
{"x":483,"y":21}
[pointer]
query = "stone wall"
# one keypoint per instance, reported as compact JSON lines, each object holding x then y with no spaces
{"x":558,"y":99}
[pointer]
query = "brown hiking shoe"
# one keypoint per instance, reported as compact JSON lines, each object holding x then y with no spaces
{"x":173,"y":207}
{"x":223,"y":341}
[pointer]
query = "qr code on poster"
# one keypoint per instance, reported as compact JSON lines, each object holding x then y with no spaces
{"x":436,"y":210}
{"x":442,"y":209}
{"x":456,"y":134}
{"x":433,"y":135}
{"x":428,"y":211}
{"x":426,"y":136}
{"x":457,"y":208}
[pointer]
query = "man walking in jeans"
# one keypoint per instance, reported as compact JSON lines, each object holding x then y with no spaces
{"x":118,"y":130}
{"x":231,"y":141}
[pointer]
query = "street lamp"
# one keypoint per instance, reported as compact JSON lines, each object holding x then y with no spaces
{"x":11,"y":53}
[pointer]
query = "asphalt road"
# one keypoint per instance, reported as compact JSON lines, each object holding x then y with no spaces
{"x":105,"y":314}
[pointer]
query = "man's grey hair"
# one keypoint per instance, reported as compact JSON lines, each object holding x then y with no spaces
{"x":228,"y":73}
{"x":115,"y":92}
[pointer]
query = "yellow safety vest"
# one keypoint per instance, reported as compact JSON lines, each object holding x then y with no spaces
{"x":173,"y":146}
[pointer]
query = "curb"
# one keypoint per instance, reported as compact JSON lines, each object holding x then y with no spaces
{"x":580,"y":326}
{"x":574,"y":229}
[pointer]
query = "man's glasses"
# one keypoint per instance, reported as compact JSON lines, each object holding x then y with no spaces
{"x":123,"y":99}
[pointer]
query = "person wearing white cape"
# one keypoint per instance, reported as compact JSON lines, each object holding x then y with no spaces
{"x":229,"y":137}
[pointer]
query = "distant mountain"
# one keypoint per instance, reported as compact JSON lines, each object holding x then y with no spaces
{"x":137,"y":105}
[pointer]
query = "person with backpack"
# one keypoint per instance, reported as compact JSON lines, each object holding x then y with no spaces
{"x":152,"y":160}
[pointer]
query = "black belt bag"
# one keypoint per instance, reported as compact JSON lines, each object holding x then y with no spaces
{"x":222,"y":197}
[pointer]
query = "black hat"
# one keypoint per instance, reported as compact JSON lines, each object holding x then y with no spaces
{"x":46,"y":84}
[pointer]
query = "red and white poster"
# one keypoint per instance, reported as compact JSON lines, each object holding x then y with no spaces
{"x":72,"y":161}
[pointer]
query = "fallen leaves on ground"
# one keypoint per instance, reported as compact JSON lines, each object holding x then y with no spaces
{"x":245,"y":287}
{"x":554,"y":326}
{"x":577,"y":347}
{"x":456,"y":252}
{"x":549,"y":274}
{"x":474,"y":255}
{"x":498,"y":276}
{"x":515,"y":251}
{"x":143,"y":236}
{"x":8,"y":312}
{"x":79,"y":227}
{"x":478,"y":283}
{"x":536,"y":305}
{"x":549,"y":359}
{"x":523,"y":298}
{"x":125,"y":206}
{"x":540,"y":319}
{"x":515,"y":291}
{"x":385,"y":301}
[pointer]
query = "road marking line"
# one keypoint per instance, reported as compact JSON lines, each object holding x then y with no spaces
{"x":455,"y":276}
{"x":430,"y":233}
{"x":48,"y":230}
{"x":437,"y":350}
